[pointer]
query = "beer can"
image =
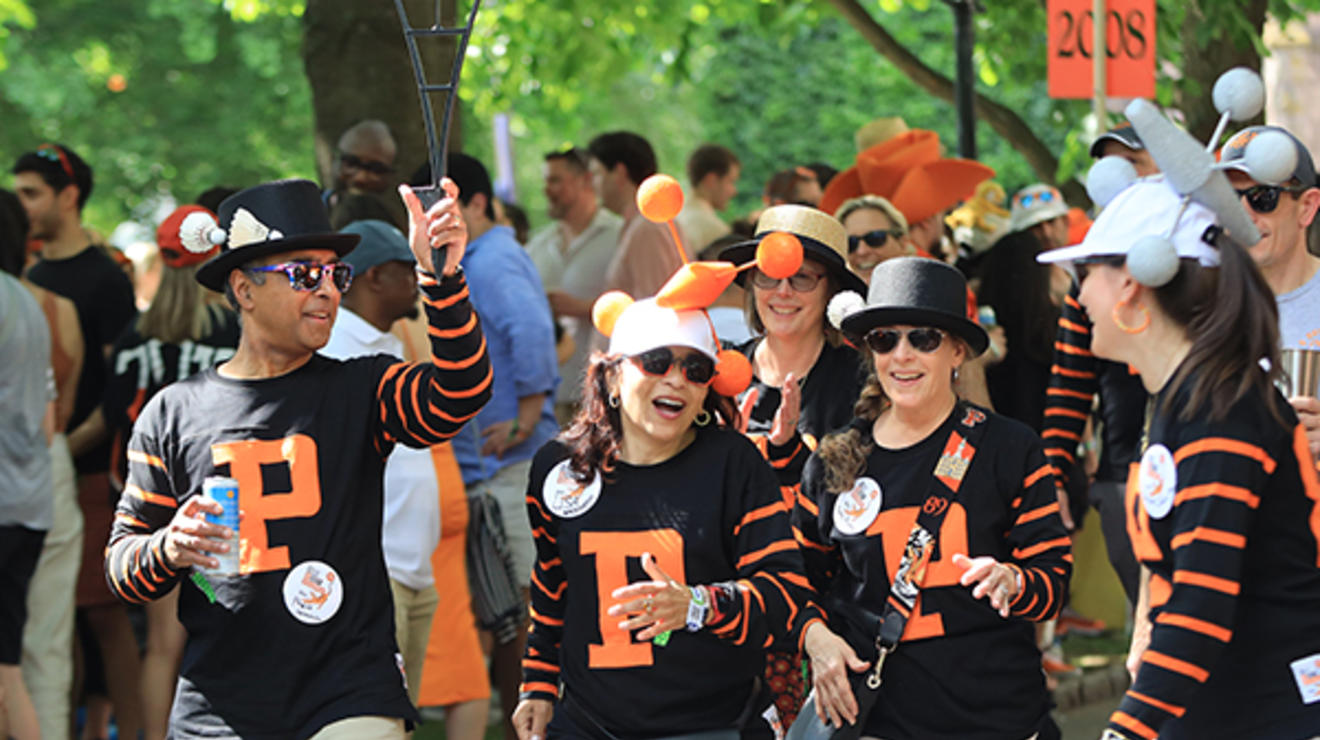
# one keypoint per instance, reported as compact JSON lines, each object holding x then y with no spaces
{"x":224,"y":491}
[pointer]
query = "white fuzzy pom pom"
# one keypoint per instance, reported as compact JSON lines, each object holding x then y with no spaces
{"x":1109,"y":177}
{"x":1152,"y":261}
{"x":1240,"y":93}
{"x":1271,"y":158}
{"x":843,"y":305}
{"x":195,"y":232}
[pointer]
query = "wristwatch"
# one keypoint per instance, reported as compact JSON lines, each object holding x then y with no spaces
{"x":698,"y":607}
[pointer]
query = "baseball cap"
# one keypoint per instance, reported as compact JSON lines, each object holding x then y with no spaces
{"x":1123,"y":133}
{"x":1233,"y":155}
{"x":381,"y":242}
{"x":1147,"y":207}
{"x":645,"y":326}
{"x":1035,"y":204}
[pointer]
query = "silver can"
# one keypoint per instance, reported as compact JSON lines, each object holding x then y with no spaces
{"x":224,"y":491}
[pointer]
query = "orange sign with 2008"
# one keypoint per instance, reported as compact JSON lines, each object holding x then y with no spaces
{"x":1130,"y":48}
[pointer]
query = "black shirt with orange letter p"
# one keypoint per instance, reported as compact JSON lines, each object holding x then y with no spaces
{"x":304,"y":635}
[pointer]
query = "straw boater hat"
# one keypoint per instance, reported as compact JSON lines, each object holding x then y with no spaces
{"x":911,"y":172}
{"x":823,"y":240}
{"x":917,"y":291}
{"x":274,"y":217}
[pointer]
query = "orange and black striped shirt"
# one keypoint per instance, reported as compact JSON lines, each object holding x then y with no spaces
{"x":958,"y":657}
{"x":308,"y":451}
{"x":710,"y":514}
{"x":1231,"y":544}
{"x":1076,"y":376}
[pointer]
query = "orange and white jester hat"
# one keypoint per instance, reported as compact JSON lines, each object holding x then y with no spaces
{"x":677,"y":316}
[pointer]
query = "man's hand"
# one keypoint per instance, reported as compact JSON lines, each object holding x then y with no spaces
{"x":190,"y":536}
{"x":441,"y":226}
{"x":1308,"y":412}
{"x":501,"y":437}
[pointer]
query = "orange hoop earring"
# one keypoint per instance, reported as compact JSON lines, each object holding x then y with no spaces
{"x":1118,"y":320}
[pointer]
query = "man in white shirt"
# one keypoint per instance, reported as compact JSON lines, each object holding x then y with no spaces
{"x":713,"y":173}
{"x":384,"y":290}
{"x":571,"y":256}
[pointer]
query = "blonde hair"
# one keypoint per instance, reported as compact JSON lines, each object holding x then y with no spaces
{"x":179,"y":310}
{"x":873,"y":202}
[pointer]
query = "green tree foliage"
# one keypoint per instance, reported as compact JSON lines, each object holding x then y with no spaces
{"x":208,"y":94}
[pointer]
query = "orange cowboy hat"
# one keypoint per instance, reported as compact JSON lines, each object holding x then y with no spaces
{"x":910,"y":172}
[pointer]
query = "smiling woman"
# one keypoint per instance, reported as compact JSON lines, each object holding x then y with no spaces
{"x":665,"y":561}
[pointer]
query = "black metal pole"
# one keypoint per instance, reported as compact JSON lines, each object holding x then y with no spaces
{"x":964,"y":38}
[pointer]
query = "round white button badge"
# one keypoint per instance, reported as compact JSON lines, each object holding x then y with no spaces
{"x":1157,"y":481}
{"x":856,"y":508}
{"x":565,"y":496}
{"x":313,"y":592}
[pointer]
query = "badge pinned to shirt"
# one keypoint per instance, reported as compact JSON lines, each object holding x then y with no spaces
{"x":1306,"y":673}
{"x":565,"y":496}
{"x":855,"y":509}
{"x":1157,"y":481}
{"x":313,"y":592}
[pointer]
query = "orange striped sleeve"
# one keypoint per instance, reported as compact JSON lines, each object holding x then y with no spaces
{"x":1032,"y":479}
{"x":1205,"y":580}
{"x":131,"y":520}
{"x":1171,"y":663}
{"x":1068,"y":393}
{"x":763,"y":512}
{"x":1068,"y":372}
{"x":138,"y":456}
{"x":1221,"y":490}
{"x":1038,"y":513}
{"x":1070,"y":413}
{"x":1224,"y":444}
{"x":1211,"y":535}
{"x":1036,"y":549}
{"x":457,"y":331}
{"x":770,"y":549}
{"x":1068,"y":349}
{"x":1208,"y":629}
{"x":1133,"y":724}
{"x":151,"y":498}
{"x":1073,"y":326}
{"x":535,"y":686}
{"x":540,"y":665}
{"x":808,"y":504}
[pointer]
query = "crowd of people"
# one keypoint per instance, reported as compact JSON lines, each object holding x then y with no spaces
{"x":835,"y":492}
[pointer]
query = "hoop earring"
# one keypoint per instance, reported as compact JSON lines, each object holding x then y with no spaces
{"x":613,"y":400}
{"x":1118,"y":320}
{"x":702,"y":418}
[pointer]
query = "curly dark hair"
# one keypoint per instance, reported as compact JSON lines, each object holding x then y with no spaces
{"x":594,"y":436}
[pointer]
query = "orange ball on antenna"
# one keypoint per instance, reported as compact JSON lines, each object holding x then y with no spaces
{"x":733,"y":373}
{"x":779,"y":255}
{"x":660,"y":198}
{"x":607,"y":309}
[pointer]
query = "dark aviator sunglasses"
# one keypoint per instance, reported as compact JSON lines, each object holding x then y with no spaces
{"x":696,"y":367}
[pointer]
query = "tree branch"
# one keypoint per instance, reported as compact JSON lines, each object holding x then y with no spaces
{"x":1003,"y":120}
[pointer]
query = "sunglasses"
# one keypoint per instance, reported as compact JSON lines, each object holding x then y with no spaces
{"x":1082,"y":267}
{"x":1265,"y":198}
{"x":366,"y":165}
{"x":307,"y":276}
{"x":925,"y":339}
{"x":874,"y":239}
{"x":54,"y":154}
{"x":696,"y":367}
{"x":1029,"y":198}
{"x":802,"y":282}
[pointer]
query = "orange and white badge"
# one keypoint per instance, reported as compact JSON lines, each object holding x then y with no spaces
{"x":313,"y":592}
{"x":565,"y":496}
{"x":1157,"y":481}
{"x":1306,"y":672}
{"x":856,"y":508}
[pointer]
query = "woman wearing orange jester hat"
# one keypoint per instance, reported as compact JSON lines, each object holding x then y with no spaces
{"x":665,"y":561}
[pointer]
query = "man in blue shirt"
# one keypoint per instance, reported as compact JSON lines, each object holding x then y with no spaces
{"x":495,"y":449}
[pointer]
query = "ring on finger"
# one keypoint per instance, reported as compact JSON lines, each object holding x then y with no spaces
{"x":649,"y":605}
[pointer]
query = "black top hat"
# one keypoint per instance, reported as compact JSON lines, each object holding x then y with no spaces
{"x":823,"y":240}
{"x":274,"y":217}
{"x":917,"y":291}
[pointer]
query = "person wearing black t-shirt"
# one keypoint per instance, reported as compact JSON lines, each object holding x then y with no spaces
{"x":1223,"y":508}
{"x":964,"y":664}
{"x":300,"y":643}
{"x":54,"y":183}
{"x":665,"y":563}
{"x":805,"y":378}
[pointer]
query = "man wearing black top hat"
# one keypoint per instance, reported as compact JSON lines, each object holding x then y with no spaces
{"x":300,"y":643}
